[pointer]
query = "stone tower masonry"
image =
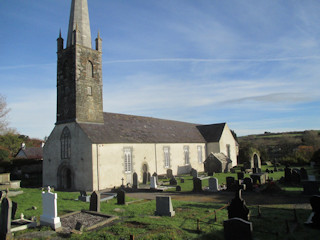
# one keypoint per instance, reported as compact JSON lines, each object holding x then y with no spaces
{"x":79,"y":71}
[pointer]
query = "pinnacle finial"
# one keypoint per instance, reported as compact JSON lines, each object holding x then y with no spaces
{"x":60,"y":33}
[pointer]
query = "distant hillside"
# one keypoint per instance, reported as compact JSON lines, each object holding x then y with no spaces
{"x":287,"y":146}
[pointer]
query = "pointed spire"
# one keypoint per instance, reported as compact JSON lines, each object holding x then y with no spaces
{"x":79,"y":21}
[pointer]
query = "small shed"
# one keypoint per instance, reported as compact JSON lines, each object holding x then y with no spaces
{"x":217,"y":162}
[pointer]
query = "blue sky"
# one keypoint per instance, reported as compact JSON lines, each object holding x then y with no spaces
{"x":252,"y":64}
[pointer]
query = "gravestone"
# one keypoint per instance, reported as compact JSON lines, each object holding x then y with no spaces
{"x":178,"y":188}
{"x":267,"y":170}
{"x":230,"y":183}
{"x":197,"y":185}
{"x":213,"y":185}
{"x":194,"y":173}
{"x":240,"y":175}
{"x":155,"y":175}
{"x":169,"y":173}
{"x":5,"y":219}
{"x":237,"y":229}
{"x":135,"y":184}
{"x":310,"y":187}
{"x":84,"y":197}
{"x":232,"y":170}
{"x":173,"y":181}
{"x":260,"y":178}
{"x":287,"y":174}
{"x":314,"y":219}
{"x":145,"y":178}
{"x":255,"y":170}
{"x":210,"y":174}
{"x":149,"y":177}
{"x":49,"y":215}
{"x":164,"y":206}
{"x":121,"y":197}
{"x":153,"y":183}
{"x":238,"y":208}
{"x":14,"y":210}
{"x":249,"y":183}
{"x":295,"y":176}
{"x":79,"y":226}
{"x":95,"y":202}
{"x":181,"y":180}
{"x":303,"y":174}
{"x":1,"y":195}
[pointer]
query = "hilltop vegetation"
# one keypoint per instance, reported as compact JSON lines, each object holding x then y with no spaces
{"x":285,"y":148}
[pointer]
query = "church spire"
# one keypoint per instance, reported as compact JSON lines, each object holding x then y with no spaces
{"x":79,"y":18}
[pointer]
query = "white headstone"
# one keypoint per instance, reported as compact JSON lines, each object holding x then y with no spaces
{"x":213,"y":185}
{"x":49,"y":215}
{"x":153,"y":182}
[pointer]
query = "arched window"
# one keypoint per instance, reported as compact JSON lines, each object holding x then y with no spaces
{"x":89,"y":69}
{"x":65,"y":144}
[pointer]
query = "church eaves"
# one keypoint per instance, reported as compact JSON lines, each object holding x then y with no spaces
{"x":79,"y":21}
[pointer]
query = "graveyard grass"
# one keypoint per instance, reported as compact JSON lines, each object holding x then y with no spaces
{"x":138,"y":218}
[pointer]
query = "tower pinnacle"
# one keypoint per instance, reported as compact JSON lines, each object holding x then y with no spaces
{"x":79,"y":18}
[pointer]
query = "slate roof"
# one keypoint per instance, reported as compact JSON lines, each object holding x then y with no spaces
{"x":31,"y":153}
{"x":121,"y":128}
{"x":212,"y":132}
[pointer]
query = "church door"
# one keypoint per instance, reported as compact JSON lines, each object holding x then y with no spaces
{"x":65,"y":178}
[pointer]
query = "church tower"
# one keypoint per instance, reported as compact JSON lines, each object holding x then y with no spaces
{"x":79,"y":71}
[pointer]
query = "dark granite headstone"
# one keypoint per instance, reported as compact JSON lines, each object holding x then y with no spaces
{"x":83,"y":193}
{"x":210,"y":174}
{"x":95,"y":202}
{"x":5,"y":218}
{"x":173,"y":181}
{"x":310,"y":187}
{"x":295,"y":177}
{"x":303,"y":174}
{"x":145,"y":178}
{"x":238,"y":208}
{"x":237,"y":229}
{"x":267,"y":170}
{"x":230,"y":183}
{"x":287,"y":174}
{"x":314,"y":219}
{"x":197,"y":185}
{"x":178,"y":188}
{"x":121,"y":197}
{"x":135,"y":183}
{"x":240,"y":175}
{"x":249,"y":183}
{"x":181,"y":180}
{"x":14,"y":210}
{"x":194,"y":173}
{"x":254,"y":170}
{"x":79,"y":226}
{"x":169,"y":173}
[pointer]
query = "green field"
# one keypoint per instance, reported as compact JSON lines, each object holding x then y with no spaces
{"x":138,"y":219}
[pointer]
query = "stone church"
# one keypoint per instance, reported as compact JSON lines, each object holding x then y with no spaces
{"x":92,"y":150}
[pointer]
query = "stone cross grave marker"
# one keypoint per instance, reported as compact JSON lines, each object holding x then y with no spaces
{"x":153,"y":183}
{"x":197,"y":185}
{"x":135,"y":184}
{"x":164,"y":206}
{"x":95,"y":202}
{"x":49,"y":215}
{"x":237,"y":229}
{"x":121,"y":197}
{"x":5,"y":218}
{"x":214,"y":185}
{"x":238,"y":208}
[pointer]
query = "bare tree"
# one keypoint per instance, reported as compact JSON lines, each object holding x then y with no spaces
{"x":4,"y":110}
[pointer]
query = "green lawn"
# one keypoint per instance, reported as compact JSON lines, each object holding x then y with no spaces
{"x":138,"y":219}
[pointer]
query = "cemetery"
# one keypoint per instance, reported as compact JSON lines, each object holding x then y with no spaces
{"x":203,"y":208}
